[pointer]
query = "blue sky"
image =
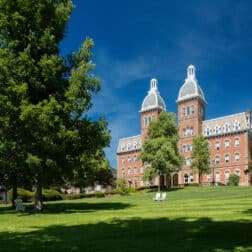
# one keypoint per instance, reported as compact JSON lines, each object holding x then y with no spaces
{"x":138,"y":40}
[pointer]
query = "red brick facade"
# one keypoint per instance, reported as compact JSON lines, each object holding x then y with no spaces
{"x":229,"y":137}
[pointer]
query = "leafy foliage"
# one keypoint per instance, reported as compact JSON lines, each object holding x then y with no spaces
{"x":160,"y":150}
{"x":200,"y":155}
{"x":45,"y":135}
{"x":233,"y":180}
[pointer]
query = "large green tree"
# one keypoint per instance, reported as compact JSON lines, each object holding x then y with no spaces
{"x":44,"y":98}
{"x":160,"y":151}
{"x":200,"y":155}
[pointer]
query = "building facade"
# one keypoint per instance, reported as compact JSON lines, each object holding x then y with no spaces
{"x":229,"y":138}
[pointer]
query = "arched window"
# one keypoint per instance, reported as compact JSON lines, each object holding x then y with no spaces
{"x":237,"y":172}
{"x":186,"y":178}
{"x":135,"y":170}
{"x":227,"y":175}
{"x":217,"y":159}
{"x":236,"y":142}
{"x":237,"y":157}
{"x":129,"y":171}
{"x":217,"y":177}
{"x":227,"y":144}
{"x":217,"y":145}
{"x":226,"y":158}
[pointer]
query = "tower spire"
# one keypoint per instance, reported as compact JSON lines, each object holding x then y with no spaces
{"x":191,"y":72}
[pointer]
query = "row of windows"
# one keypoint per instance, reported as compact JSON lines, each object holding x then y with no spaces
{"x":129,"y":159}
{"x":130,"y":146}
{"x":135,"y":170}
{"x":227,"y":143}
{"x":217,"y":159}
{"x":188,"y":131}
{"x":227,"y":158}
{"x":187,"y":148}
{"x":226,"y":174}
{"x":188,"y":110}
{"x":148,"y":119}
{"x":225,"y":128}
{"x":188,"y":178}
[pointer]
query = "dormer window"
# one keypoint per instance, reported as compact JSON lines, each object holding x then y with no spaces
{"x":207,"y":132}
{"x":128,"y":146}
{"x":135,"y":144}
{"x":226,"y":127}
{"x":217,"y":129}
{"x":237,"y":125}
{"x":123,"y":147}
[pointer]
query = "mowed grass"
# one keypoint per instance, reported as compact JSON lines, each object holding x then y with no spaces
{"x":192,"y":219}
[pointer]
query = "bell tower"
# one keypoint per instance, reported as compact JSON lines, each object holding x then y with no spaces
{"x":152,"y":105}
{"x":191,"y":112}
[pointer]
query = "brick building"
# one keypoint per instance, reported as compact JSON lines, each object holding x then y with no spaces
{"x":229,"y":137}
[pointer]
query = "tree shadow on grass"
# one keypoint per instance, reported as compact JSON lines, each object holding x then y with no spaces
{"x":68,"y":207}
{"x":136,"y":234}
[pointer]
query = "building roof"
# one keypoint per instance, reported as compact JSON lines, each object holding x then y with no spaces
{"x":226,"y":124}
{"x":133,"y":143}
{"x":190,"y":89}
{"x":153,"y":100}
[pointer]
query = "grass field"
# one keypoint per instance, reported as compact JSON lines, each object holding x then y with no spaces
{"x":192,"y":219}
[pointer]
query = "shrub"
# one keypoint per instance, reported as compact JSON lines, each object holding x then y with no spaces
{"x":23,"y":194}
{"x":233,"y":180}
{"x":50,"y":195}
{"x":99,"y":194}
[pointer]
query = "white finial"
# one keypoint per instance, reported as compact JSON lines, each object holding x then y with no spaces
{"x":153,"y":84}
{"x":191,"y":72}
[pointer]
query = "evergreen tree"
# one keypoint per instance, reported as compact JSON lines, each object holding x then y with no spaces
{"x":160,"y":149}
{"x":200,"y":155}
{"x":43,"y":97}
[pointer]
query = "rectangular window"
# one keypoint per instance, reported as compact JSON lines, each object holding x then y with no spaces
{"x":145,"y":121}
{"x":129,"y":159}
{"x":192,"y":109}
{"x":236,"y":142}
{"x":128,"y":171}
{"x":188,"y":110}
{"x":135,"y":158}
{"x":183,"y":111}
{"x":217,"y":145}
{"x":227,"y":144}
{"x":217,"y":159}
{"x":135,"y":170}
{"x":237,"y":157}
{"x":226,"y":158}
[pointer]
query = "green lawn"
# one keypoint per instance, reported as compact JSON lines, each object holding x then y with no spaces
{"x":192,"y":219}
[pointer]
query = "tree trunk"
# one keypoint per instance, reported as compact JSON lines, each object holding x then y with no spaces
{"x":199,"y":179}
{"x":14,"y":192}
{"x":158,"y":181}
{"x":38,"y":197}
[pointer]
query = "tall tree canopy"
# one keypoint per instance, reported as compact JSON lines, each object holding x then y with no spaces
{"x":200,"y":155}
{"x":44,"y":131}
{"x":160,"y":149}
